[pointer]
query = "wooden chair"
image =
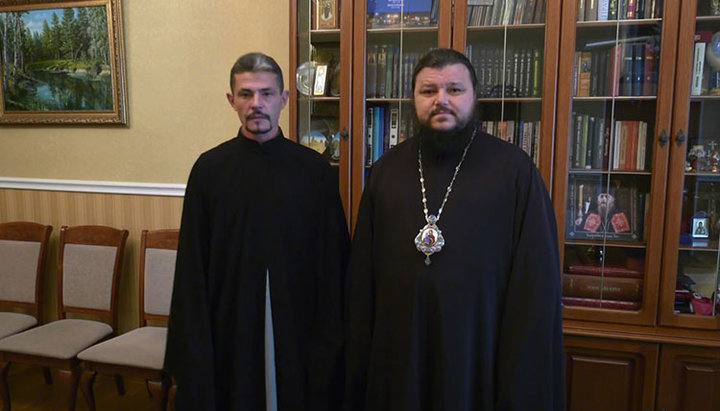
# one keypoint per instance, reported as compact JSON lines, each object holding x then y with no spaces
{"x":23,"y":249}
{"x":89,"y":264}
{"x":140,"y":352}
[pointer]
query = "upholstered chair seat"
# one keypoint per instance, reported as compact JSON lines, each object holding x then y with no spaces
{"x":140,"y":352}
{"x":142,"y":347}
{"x":61,"y":339}
{"x":89,"y":263}
{"x":12,"y":323}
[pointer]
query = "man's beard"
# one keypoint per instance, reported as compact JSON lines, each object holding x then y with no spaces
{"x":438,"y":145}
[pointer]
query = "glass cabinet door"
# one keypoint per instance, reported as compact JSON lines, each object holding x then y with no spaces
{"x":390,"y":37}
{"x":320,"y":89}
{"x":692,"y":254}
{"x":512,"y":44}
{"x":612,"y":112}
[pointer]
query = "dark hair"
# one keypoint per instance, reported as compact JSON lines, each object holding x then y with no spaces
{"x":440,"y":58}
{"x":256,"y":62}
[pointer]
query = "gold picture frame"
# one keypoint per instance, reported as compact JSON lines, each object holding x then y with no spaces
{"x":66,"y":65}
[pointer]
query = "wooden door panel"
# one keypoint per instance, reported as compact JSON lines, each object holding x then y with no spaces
{"x":604,"y":374}
{"x":689,"y":379}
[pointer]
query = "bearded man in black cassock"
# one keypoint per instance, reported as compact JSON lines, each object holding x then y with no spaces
{"x":454,"y":287}
{"x":256,"y":315}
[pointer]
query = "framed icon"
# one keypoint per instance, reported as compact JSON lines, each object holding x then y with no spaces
{"x":700,"y":227}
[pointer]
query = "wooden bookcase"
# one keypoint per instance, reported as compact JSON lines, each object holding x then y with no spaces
{"x":633,"y":272}
{"x":604,"y":77}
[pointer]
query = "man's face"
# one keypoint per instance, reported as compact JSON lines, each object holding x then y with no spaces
{"x":258,"y":101}
{"x":606,"y":203}
{"x":444,"y":97}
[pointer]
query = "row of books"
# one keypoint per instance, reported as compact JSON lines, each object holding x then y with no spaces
{"x":389,"y":74}
{"x":599,"y":209}
{"x":406,"y":13}
{"x":506,"y":72}
{"x":601,"y":10}
{"x":505,"y":12}
{"x":625,"y":69}
{"x":700,"y":70}
{"x":591,"y":144}
{"x":385,"y":127}
{"x":524,"y":134}
{"x":603,"y":285}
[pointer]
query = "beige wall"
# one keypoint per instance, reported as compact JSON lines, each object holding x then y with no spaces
{"x":178,"y":56}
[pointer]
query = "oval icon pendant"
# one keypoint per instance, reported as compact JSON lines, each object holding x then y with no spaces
{"x":429,"y":240}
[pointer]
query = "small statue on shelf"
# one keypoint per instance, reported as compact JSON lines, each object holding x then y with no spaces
{"x":696,"y":156}
{"x":714,"y":157}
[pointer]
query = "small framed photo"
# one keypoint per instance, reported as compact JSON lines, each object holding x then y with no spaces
{"x":700,"y":227}
{"x":320,"y":80}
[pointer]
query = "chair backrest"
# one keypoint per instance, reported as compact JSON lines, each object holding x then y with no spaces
{"x":89,"y":265}
{"x":158,"y":250}
{"x":23,"y":250}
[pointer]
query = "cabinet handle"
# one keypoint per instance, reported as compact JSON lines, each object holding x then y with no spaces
{"x":663,"y":138}
{"x":344,"y":133}
{"x":680,"y":139}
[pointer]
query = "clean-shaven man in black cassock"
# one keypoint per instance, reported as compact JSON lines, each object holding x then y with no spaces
{"x":454,"y":287}
{"x":256,"y":321}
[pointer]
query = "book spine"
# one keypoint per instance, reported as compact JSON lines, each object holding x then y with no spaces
{"x":591,"y":10}
{"x":697,"y":73}
{"x":381,"y":70}
{"x":606,"y":271}
{"x":371,"y":81}
{"x":581,"y":10}
{"x":369,"y":128}
{"x":638,"y":69}
{"x":598,"y":303}
{"x":537,"y":72}
{"x":603,"y":8}
{"x":613,"y":288}
{"x":394,"y":118}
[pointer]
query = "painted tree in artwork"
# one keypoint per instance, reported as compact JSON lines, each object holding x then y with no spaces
{"x":97,"y":32}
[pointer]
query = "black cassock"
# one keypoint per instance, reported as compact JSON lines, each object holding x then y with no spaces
{"x":249,"y":209}
{"x":478,"y":329}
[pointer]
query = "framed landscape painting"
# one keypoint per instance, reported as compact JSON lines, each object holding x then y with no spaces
{"x":62,"y":62}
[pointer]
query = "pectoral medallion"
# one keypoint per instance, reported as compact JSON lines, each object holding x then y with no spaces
{"x":429,"y":240}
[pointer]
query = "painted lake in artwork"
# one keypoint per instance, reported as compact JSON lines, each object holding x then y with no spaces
{"x":55,"y":60}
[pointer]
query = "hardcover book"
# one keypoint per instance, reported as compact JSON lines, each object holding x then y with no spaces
{"x":602,"y":303}
{"x":614,"y":288}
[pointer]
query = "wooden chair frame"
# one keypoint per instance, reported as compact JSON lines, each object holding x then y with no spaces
{"x":28,"y":231}
{"x":69,"y":369}
{"x":158,"y":382}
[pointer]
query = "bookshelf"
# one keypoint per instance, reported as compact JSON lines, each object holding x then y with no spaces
{"x":320,"y":89}
{"x":635,"y":183}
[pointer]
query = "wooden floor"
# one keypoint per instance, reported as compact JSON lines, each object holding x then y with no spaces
{"x":29,"y":393}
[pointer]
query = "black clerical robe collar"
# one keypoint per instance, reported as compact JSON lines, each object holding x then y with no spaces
{"x":267,"y":145}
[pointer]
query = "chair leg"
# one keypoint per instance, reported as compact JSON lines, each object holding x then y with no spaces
{"x":119,"y":384}
{"x":159,"y":392}
{"x":86,"y":385}
{"x":68,"y":381}
{"x":47,"y":375}
{"x":4,"y":387}
{"x":171,"y":398}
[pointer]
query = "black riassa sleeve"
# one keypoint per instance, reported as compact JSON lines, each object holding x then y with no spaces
{"x":360,"y":306}
{"x":326,"y":362}
{"x":530,"y":371}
